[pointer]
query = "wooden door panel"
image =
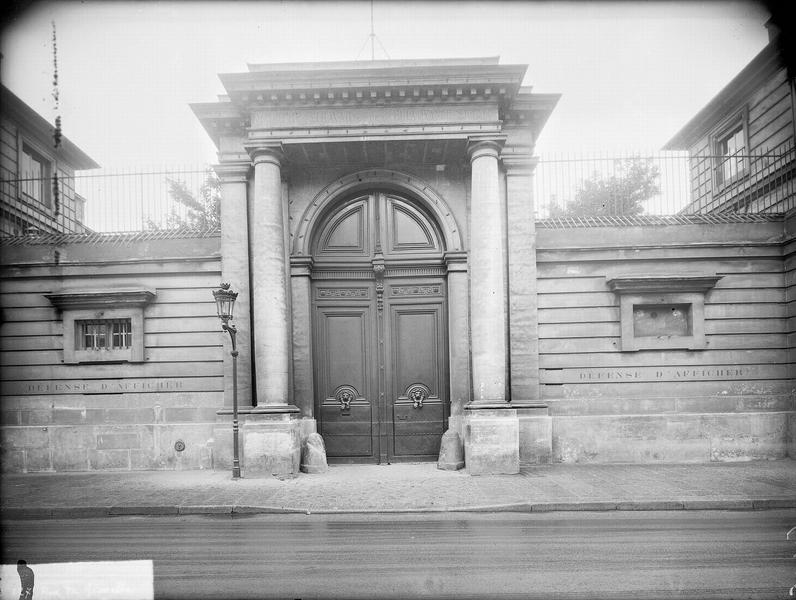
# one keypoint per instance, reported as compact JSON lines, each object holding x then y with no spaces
{"x":347,"y":432}
{"x":343,"y":337}
{"x":418,"y":431}
{"x":418,"y":386}
{"x":379,"y":335}
{"x":416,"y":349}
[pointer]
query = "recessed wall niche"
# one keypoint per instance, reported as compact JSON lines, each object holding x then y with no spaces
{"x":662,"y":311}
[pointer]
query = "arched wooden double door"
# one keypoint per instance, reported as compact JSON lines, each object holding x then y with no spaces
{"x":379,"y":331}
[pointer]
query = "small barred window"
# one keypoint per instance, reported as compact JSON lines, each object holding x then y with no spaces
{"x":110,"y":334}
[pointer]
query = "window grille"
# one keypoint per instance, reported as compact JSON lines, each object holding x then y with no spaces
{"x":110,"y":334}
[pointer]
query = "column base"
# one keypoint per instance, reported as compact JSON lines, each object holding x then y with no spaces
{"x":270,"y":444}
{"x":491,"y":441}
{"x":222,"y":434}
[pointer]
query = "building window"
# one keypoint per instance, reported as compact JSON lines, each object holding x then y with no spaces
{"x":34,"y":173}
{"x":111,"y":334}
{"x":731,"y":152}
{"x":103,"y":326}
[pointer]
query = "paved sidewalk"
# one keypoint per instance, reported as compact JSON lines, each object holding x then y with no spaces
{"x":404,"y":488}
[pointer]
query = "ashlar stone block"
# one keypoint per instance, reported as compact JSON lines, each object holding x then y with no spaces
{"x":492,"y":442}
{"x":536,"y":439}
{"x":271,"y":445}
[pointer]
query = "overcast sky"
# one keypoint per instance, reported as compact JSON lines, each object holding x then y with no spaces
{"x":631,"y":74}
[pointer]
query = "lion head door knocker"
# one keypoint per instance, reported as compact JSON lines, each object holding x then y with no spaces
{"x":344,"y":395}
{"x":417,"y":393}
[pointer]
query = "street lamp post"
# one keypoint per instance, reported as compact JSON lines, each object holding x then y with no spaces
{"x":225,"y":303}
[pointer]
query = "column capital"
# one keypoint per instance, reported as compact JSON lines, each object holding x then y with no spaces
{"x":266,"y":153}
{"x":301,"y":266}
{"x":232,"y":172}
{"x":478,"y":145}
{"x":456,"y":261}
{"x":519,"y":164}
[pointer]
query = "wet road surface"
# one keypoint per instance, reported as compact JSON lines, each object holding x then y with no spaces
{"x":700,"y":554}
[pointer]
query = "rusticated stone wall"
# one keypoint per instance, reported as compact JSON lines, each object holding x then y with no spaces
{"x":732,"y":399}
{"x":155,"y":414}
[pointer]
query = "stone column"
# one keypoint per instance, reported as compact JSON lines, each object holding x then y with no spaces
{"x":235,"y":271}
{"x":269,"y":285}
{"x":536,"y":428}
{"x":487,"y":276}
{"x":271,"y":436}
{"x":303,"y":385}
{"x":459,"y":336}
{"x":491,"y":431}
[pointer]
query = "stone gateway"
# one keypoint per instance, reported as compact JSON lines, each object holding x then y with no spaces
{"x":398,"y":300}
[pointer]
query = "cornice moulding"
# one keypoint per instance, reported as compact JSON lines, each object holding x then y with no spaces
{"x":101,"y":298}
{"x":666,"y":283}
{"x":398,"y":76}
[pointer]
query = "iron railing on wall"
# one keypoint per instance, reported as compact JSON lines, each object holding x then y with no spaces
{"x":113,"y":201}
{"x":571,"y":187}
{"x":667,"y":183}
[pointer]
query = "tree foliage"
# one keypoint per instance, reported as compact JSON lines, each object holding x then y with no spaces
{"x":622,"y":193}
{"x":200,"y":212}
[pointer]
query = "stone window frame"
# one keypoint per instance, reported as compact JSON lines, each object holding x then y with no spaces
{"x":102,"y":305}
{"x":663,"y":290}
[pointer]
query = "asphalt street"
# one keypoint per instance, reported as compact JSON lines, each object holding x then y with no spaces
{"x":706,"y":554}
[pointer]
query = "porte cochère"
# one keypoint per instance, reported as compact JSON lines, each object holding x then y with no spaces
{"x":376,"y":217}
{"x":379,"y":331}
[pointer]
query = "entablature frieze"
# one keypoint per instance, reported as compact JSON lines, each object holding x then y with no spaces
{"x":376,"y":116}
{"x":373,"y":133}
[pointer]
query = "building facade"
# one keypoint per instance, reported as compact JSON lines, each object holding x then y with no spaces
{"x":378,"y":226}
{"x":38,"y":178}
{"x":741,"y":145}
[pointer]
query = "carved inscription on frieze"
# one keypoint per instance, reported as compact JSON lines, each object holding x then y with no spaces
{"x":94,"y":386}
{"x":342,"y":292}
{"x":664,"y":376}
{"x":664,"y":373}
{"x":383,"y":115}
